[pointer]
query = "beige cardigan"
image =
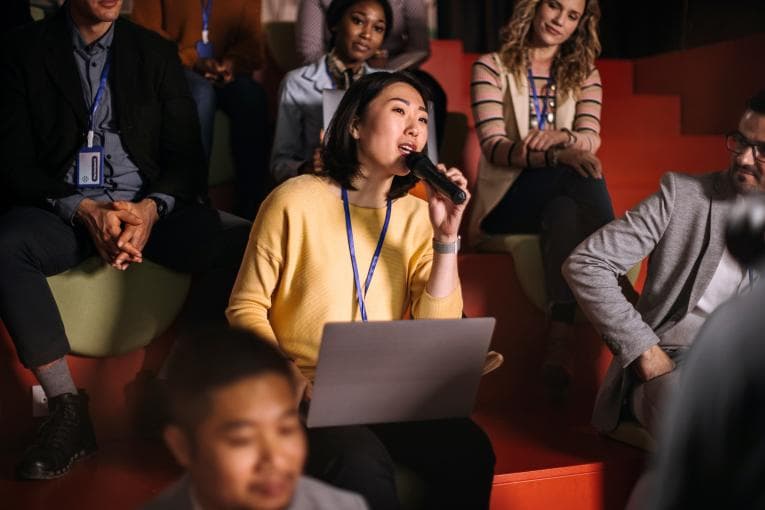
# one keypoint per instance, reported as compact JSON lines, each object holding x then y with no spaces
{"x":494,"y":181}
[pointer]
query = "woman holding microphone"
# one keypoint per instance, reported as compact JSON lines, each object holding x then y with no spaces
{"x":306,"y":264}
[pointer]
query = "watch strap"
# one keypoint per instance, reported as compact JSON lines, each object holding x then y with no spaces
{"x":444,"y":248}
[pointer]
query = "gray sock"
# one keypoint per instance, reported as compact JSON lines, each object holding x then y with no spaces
{"x":55,"y":378}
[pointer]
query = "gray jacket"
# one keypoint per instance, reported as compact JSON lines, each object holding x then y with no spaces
{"x":310,"y":494}
{"x":681,"y":229}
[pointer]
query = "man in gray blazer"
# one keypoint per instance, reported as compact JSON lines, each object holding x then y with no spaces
{"x":681,"y":230}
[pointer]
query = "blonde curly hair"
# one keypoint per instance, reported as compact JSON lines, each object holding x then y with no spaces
{"x":575,"y":58}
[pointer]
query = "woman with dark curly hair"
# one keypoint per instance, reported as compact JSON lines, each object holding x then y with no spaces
{"x":300,"y":271}
{"x":536,"y":104}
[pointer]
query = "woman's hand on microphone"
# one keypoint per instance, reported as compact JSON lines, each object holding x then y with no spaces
{"x":445,"y":215}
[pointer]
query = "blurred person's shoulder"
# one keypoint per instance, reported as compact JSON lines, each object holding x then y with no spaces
{"x":312,"y":494}
{"x":175,"y":497}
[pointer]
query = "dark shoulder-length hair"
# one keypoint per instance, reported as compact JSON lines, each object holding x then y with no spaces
{"x":340,"y":153}
{"x":337,"y":9}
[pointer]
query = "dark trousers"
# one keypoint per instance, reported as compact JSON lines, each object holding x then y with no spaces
{"x":244,"y":102}
{"x":561,"y":206}
{"x":36,"y":243}
{"x":454,"y":458}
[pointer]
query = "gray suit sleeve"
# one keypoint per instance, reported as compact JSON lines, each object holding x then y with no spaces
{"x":593,"y":268}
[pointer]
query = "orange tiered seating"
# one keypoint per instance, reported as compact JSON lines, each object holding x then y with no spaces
{"x":546,"y":457}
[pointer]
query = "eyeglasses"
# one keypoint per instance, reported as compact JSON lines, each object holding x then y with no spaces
{"x":738,"y":144}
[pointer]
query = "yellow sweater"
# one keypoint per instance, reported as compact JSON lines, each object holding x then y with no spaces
{"x":296,"y":273}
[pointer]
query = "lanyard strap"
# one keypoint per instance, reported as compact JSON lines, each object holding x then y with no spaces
{"x":541,"y":113}
{"x":206,"y":9}
{"x":373,"y":264}
{"x":99,"y":97}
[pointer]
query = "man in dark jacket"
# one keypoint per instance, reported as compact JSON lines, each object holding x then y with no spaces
{"x":99,"y":154}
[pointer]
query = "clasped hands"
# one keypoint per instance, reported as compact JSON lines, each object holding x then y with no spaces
{"x":217,"y":71}
{"x":585,"y":163}
{"x":119,"y":229}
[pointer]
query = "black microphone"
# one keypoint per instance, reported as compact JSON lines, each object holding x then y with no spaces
{"x":422,"y":167}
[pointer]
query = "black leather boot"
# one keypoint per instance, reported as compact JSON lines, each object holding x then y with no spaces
{"x":65,"y":436}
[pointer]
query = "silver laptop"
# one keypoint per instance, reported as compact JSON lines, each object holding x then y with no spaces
{"x":395,"y":371}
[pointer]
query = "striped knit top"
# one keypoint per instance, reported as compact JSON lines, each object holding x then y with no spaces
{"x":487,"y":104}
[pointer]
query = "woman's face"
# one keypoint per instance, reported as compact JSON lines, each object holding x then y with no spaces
{"x":556,"y":20}
{"x":394,"y":124}
{"x":360,"y":32}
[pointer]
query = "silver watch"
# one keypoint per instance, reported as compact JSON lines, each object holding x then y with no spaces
{"x":453,"y":247}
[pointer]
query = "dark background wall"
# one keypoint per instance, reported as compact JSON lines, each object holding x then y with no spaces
{"x":629,"y":29}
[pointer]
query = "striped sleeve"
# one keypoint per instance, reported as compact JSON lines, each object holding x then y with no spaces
{"x":488,"y":114}
{"x":589,"y":102}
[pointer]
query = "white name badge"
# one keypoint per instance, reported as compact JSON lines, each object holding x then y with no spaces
{"x":90,"y":167}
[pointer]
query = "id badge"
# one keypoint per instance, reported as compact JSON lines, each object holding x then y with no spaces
{"x":90,"y":167}
{"x":204,"y":49}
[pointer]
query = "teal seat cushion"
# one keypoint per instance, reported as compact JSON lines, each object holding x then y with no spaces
{"x":107,"y":312}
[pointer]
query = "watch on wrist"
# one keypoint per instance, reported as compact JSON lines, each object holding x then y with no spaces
{"x":444,"y":248}
{"x":553,"y":156}
{"x":161,"y":206}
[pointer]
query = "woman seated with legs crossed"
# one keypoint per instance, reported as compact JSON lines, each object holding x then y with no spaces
{"x":297,"y":275}
{"x":536,"y":104}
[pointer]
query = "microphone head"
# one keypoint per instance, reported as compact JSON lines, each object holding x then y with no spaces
{"x":414,"y":160}
{"x":421,"y":166}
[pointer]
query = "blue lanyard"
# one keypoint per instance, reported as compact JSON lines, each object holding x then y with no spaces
{"x":99,"y":97}
{"x":541,"y":113}
{"x":206,"y":9}
{"x":349,"y":230}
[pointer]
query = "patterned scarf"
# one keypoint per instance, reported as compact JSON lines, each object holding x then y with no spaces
{"x":341,"y":75}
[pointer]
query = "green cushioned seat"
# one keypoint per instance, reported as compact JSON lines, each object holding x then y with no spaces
{"x":527,"y":257}
{"x":633,"y":434}
{"x":37,"y":13}
{"x":108,"y":312}
{"x":410,"y":488}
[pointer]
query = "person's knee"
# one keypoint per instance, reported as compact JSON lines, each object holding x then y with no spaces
{"x":15,"y":239}
{"x":203,"y":93}
{"x":366,"y":463}
{"x":244,"y":95}
{"x":474,"y":450}
{"x":595,"y":198}
{"x":560,"y":210}
{"x":359,"y":457}
{"x":649,"y":398}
